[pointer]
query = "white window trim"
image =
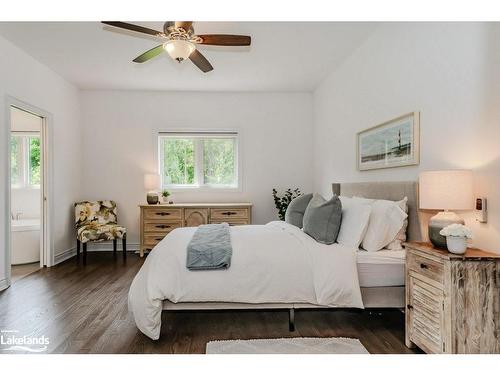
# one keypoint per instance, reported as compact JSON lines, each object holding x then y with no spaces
{"x":199,"y":160}
{"x":24,"y":161}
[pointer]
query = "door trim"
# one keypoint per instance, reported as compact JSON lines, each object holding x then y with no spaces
{"x":46,"y":190}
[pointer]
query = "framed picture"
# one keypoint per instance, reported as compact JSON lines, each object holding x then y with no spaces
{"x":394,"y":143}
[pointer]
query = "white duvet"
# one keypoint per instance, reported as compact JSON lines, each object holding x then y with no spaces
{"x":272,"y":263}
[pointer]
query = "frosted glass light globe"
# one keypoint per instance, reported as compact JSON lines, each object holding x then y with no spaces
{"x":179,"y":49}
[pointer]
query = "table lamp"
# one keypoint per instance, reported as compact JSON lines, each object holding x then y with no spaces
{"x":152,"y":184}
{"x":445,"y":190}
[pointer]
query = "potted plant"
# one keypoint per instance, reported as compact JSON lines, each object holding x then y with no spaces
{"x":282,"y":202}
{"x":164,"y":196}
{"x":456,"y":237}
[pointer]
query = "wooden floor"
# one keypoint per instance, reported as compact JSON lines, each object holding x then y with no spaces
{"x":17,"y":272}
{"x":83,"y":309}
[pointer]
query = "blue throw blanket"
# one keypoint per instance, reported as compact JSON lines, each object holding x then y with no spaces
{"x":210,"y":248}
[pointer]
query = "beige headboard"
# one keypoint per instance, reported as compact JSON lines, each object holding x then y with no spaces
{"x":393,"y":191}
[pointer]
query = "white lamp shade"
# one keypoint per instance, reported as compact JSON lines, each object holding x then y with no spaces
{"x":151,"y":181}
{"x":446,"y":190}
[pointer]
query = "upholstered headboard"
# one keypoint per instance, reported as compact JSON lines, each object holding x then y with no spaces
{"x":393,"y":191}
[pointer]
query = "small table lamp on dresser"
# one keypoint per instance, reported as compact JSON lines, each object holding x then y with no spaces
{"x":152,"y":184}
{"x":445,"y":190}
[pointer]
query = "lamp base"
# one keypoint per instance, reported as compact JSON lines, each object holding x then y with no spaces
{"x":438,"y":222}
{"x":152,"y":198}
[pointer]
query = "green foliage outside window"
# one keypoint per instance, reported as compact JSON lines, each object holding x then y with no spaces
{"x":218,"y":161}
{"x":199,"y":161}
{"x":25,"y":160}
{"x":178,"y":161}
{"x":34,"y":160}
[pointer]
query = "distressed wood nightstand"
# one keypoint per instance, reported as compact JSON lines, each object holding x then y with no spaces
{"x":452,"y":301}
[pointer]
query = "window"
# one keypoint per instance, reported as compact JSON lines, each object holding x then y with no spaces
{"x":25,"y":160}
{"x":195,"y":160}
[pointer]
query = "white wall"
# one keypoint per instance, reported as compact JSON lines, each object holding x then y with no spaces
{"x":449,"y":72}
{"x":119,"y":144}
{"x":25,"y":79}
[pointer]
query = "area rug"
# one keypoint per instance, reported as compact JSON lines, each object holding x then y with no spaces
{"x":296,"y":345}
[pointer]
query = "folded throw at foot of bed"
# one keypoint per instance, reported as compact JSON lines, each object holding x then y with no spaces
{"x":210,"y":248}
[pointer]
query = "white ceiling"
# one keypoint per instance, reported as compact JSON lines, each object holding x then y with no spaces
{"x":284,"y":56}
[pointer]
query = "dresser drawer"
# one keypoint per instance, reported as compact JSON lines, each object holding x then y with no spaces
{"x":425,"y":309}
{"x":433,"y":269}
{"x":162,"y":213}
{"x":152,"y":239}
{"x":161,"y":226}
{"x":231,"y":222}
{"x":228,"y":213}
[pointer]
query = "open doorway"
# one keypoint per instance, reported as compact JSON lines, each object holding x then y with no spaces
{"x":28,"y":185}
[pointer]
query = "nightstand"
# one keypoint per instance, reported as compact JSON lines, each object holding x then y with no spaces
{"x":452,"y":301}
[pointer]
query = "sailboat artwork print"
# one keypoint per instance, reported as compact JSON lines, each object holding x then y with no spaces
{"x":394,"y":143}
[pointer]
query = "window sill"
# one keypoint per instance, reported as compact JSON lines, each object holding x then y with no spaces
{"x":35,"y":187}
{"x":202,"y":189}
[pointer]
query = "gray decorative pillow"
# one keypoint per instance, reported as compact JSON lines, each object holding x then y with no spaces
{"x":295,"y":212}
{"x":322,"y":219}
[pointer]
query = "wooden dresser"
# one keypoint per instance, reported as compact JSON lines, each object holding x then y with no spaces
{"x":452,"y":301}
{"x":158,"y":220}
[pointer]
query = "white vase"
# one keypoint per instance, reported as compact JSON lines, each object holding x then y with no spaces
{"x":456,"y":245}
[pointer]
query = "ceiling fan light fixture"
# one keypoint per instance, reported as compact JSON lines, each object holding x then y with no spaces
{"x":179,"y":49}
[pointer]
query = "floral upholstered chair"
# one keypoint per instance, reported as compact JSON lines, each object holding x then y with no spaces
{"x":96,"y":222}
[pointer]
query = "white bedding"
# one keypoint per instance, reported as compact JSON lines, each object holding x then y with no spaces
{"x":276,"y":262}
{"x":381,"y":268}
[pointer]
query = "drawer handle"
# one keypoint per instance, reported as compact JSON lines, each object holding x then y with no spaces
{"x":409,"y":307}
{"x":423,"y":266}
{"x":162,"y":226}
{"x":158,"y":239}
{"x":163,"y":213}
{"x":229,"y":213}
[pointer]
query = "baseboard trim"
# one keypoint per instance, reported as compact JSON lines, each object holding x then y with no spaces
{"x":93,"y":247}
{"x":4,"y":284}
{"x":108,"y":246}
{"x":66,"y":254}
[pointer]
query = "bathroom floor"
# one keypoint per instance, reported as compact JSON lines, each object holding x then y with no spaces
{"x":21,"y":270}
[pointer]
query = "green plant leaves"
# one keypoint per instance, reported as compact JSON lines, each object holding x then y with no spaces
{"x":282,"y":201}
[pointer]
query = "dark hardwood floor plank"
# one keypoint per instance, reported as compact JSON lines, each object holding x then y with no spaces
{"x":84,"y":309}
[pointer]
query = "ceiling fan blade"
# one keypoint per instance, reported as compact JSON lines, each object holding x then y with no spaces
{"x":132,"y":27}
{"x":200,"y":61}
{"x":225,"y":40}
{"x":148,"y":55}
{"x":186,"y":25}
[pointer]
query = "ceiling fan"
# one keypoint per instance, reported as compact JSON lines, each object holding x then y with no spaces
{"x":180,"y":42}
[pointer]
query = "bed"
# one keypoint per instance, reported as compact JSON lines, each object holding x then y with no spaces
{"x":322,"y":278}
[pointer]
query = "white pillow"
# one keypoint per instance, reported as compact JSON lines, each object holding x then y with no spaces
{"x":386,"y":220}
{"x":397,"y":244}
{"x":355,"y":217}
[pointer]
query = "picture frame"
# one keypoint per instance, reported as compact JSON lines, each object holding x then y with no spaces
{"x":394,"y":143}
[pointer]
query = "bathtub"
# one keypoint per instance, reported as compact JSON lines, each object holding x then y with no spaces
{"x":25,"y":241}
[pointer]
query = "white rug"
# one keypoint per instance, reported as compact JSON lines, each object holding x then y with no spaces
{"x":296,"y":345}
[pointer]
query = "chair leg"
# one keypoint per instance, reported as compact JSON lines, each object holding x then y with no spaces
{"x":78,"y":249}
{"x":84,"y":253}
{"x":114,"y":246}
{"x":124,"y":245}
